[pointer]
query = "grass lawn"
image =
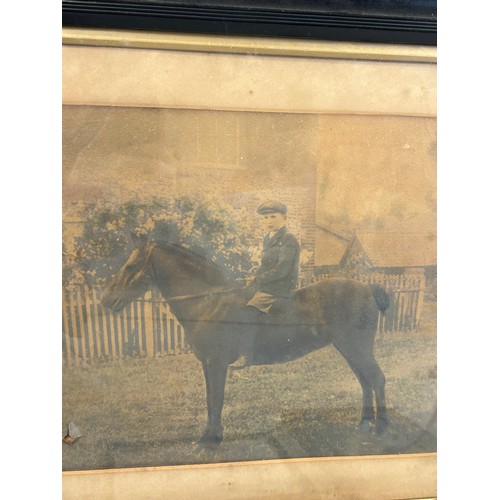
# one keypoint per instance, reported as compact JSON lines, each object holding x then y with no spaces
{"x":150,"y":412}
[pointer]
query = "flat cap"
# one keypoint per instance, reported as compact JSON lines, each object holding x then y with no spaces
{"x":269,"y":207}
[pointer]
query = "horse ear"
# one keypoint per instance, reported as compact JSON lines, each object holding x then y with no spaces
{"x":137,"y":239}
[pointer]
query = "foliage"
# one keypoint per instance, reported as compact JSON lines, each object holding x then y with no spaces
{"x":207,"y":226}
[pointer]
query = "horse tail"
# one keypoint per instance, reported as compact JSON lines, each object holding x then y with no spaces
{"x":381,"y":297}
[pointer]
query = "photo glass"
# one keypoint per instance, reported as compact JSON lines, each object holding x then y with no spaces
{"x":249,"y":282}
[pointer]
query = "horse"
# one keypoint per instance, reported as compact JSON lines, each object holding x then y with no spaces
{"x":339,"y":312}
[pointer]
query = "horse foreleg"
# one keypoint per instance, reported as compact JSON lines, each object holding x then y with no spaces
{"x":215,"y":381}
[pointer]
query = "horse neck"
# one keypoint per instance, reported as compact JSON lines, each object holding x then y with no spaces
{"x":175,"y":275}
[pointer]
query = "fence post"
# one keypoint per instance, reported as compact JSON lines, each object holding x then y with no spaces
{"x":107,"y":332}
{"x":149,"y":327}
{"x":74,"y":327}
{"x":133,"y":334}
{"x":420,"y":299}
{"x":392,"y":312}
{"x":88,"y":326}
{"x":66,"y":320}
{"x":80,"y":308}
{"x":90,"y":320}
{"x":96,"y":324}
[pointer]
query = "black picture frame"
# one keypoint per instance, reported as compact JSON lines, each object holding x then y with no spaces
{"x":373,"y":21}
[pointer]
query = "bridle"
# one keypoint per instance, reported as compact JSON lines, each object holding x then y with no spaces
{"x":179,"y":298}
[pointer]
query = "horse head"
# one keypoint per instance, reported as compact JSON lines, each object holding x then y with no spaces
{"x":133,"y":279}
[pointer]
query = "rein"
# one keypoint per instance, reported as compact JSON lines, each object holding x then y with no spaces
{"x":179,"y":298}
{"x":204,"y":294}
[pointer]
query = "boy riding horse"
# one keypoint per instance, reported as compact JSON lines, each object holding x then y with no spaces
{"x":277,"y":276}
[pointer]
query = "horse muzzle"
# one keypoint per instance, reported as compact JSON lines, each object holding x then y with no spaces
{"x":111,"y":301}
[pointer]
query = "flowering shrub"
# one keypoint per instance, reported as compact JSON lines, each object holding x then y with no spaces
{"x":207,"y":226}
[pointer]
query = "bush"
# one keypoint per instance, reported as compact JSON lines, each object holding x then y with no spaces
{"x":209,"y":227}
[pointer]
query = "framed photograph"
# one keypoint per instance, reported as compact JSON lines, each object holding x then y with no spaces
{"x":249,"y":267}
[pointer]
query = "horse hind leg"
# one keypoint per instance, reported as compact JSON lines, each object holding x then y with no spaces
{"x":367,"y":412}
{"x":372,"y":371}
{"x":372,"y":381}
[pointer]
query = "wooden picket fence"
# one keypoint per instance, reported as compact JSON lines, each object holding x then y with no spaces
{"x":147,"y":327}
{"x":92,"y":333}
{"x":406,"y":294}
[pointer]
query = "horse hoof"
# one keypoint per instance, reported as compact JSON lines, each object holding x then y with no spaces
{"x":210,"y":442}
{"x":364,"y":426}
{"x":205,"y":453}
{"x":382,"y":427}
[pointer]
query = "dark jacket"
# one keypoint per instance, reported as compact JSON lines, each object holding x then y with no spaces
{"x":279,"y":270}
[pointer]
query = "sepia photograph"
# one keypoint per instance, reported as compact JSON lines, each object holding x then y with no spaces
{"x":246,"y":285}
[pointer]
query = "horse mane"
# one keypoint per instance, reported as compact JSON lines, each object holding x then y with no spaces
{"x":195,"y":263}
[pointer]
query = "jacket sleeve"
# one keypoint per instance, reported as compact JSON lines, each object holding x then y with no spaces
{"x":286,"y":258}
